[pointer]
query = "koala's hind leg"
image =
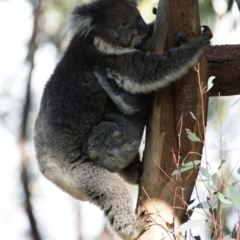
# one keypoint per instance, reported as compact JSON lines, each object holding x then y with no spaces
{"x":133,"y":171}
{"x":114,"y":144}
{"x":108,"y":191}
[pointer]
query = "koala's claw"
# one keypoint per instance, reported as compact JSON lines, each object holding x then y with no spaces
{"x":143,"y":222}
{"x":143,"y":213}
{"x":145,"y":216}
{"x":207,"y":32}
{"x":154,"y":11}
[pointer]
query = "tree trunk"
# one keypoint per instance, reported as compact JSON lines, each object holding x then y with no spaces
{"x":162,"y":197}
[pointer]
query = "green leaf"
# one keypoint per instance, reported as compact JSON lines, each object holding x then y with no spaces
{"x":224,"y":199}
{"x":191,"y":201}
{"x":208,"y":204}
{"x":222,"y":162}
{"x":235,"y":103}
{"x":234,"y":196}
{"x":214,"y":177}
{"x":204,"y":172}
{"x":197,"y":237}
{"x":192,"y":163}
{"x":225,"y":229}
{"x":234,"y":232}
{"x":189,"y":212}
{"x":210,"y":186}
{"x":186,"y":166}
{"x":214,"y":203}
{"x":210,"y":82}
{"x":192,"y":136}
{"x":193,"y":116}
{"x":227,"y":237}
{"x":191,"y":224}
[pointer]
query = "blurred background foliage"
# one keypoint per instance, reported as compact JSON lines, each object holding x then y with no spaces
{"x":19,"y":103}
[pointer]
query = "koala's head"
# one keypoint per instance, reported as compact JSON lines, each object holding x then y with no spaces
{"x":117,"y":22}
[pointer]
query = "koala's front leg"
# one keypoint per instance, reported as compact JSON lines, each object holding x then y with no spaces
{"x":126,"y":102}
{"x":138,"y":72}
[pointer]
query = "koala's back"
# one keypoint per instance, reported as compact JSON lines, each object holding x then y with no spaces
{"x":73,"y":102}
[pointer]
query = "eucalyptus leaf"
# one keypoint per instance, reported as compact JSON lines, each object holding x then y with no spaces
{"x":223,"y":199}
{"x":191,"y":224}
{"x":186,"y":166}
{"x":197,"y":237}
{"x":225,"y":228}
{"x":193,"y":116}
{"x":214,"y":177}
{"x":222,"y":162}
{"x":210,"y":82}
{"x":210,"y":186}
{"x":234,"y":232}
{"x":234,"y":196}
{"x":235,"y":103}
{"x":228,"y":237}
{"x":208,"y":204}
{"x":192,"y":136}
{"x":204,"y":172}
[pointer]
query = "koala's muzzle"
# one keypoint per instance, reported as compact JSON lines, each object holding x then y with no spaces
{"x":141,"y":26}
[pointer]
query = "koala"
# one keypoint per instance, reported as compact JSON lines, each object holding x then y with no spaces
{"x":95,"y":104}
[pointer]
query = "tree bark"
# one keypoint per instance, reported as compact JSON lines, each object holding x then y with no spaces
{"x":224,"y":64}
{"x":162,"y":197}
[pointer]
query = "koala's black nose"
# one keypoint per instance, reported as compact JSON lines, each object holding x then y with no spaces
{"x":141,"y":25}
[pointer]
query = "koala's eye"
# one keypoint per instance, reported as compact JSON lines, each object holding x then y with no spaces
{"x":124,"y":24}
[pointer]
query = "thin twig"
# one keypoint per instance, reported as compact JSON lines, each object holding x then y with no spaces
{"x":32,"y":47}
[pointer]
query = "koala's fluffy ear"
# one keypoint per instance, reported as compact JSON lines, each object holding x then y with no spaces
{"x":134,"y":2}
{"x":81,"y":20}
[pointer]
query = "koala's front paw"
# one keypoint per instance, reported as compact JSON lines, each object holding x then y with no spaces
{"x":205,"y":36}
{"x":181,"y":38}
{"x":142,"y":224}
{"x":135,"y":229}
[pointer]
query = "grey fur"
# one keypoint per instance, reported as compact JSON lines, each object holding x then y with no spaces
{"x":95,"y":105}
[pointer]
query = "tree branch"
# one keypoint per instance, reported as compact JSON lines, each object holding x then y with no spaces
{"x":224,"y":64}
{"x":32,"y":47}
